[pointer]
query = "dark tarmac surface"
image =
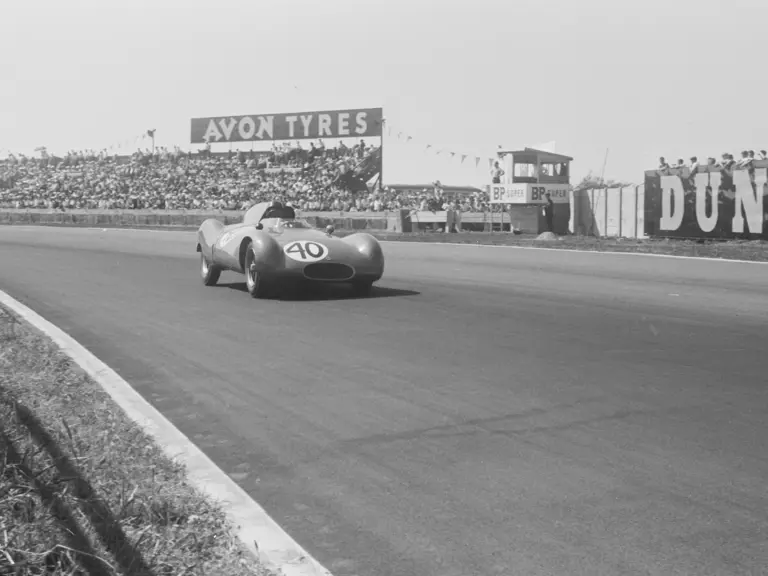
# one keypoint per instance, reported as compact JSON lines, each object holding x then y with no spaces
{"x":487,"y":411}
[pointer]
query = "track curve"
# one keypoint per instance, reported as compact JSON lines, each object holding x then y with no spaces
{"x":488,"y":411}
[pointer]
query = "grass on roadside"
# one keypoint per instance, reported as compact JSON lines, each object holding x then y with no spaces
{"x":83,"y":490}
{"x":755,"y":250}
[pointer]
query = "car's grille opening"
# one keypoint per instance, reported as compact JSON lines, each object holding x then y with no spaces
{"x":328,"y":271}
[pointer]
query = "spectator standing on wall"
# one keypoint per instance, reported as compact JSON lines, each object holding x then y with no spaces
{"x":314,"y":152}
{"x":763,"y":155}
{"x":745,"y":159}
{"x":663,"y":165}
{"x":496,"y":173}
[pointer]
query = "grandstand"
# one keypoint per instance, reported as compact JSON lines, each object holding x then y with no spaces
{"x":314,"y":177}
{"x":329,"y":179}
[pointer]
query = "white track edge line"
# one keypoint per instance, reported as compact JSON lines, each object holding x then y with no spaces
{"x":580,"y":251}
{"x":259,"y":533}
{"x":467,"y":244}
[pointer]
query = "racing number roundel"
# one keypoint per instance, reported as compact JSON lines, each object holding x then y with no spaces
{"x":305,"y":251}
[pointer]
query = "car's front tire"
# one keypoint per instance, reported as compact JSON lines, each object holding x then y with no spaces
{"x":209,"y":272}
{"x":254,"y":280}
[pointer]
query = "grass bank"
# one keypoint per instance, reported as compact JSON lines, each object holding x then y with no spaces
{"x":755,"y":250}
{"x":83,"y":490}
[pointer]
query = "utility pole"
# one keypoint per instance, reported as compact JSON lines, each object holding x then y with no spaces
{"x":151,"y":134}
{"x":605,"y":162}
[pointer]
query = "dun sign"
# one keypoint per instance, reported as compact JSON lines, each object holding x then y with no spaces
{"x":706,"y":205}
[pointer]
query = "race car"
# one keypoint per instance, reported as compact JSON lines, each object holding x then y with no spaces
{"x":273,"y":247}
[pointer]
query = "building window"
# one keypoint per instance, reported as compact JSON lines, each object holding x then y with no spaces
{"x":525,"y":170}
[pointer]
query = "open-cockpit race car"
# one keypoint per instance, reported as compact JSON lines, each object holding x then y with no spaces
{"x":273,"y":247}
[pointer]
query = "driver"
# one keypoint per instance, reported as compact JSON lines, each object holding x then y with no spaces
{"x":288,"y":213}
{"x":277,"y":210}
{"x":273,"y":210}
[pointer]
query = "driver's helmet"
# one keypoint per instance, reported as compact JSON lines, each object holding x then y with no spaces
{"x":274,"y":210}
{"x":278,"y":210}
{"x":288,"y":213}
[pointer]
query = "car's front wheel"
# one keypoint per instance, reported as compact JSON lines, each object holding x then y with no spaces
{"x":254,"y":280}
{"x":208,"y":271}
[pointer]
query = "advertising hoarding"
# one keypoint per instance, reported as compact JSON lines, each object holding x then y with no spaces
{"x":355,"y":123}
{"x":528,"y":193}
{"x":711,"y":203}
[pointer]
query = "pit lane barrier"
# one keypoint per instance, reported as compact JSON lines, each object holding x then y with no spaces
{"x":615,"y":212}
{"x":394,"y":221}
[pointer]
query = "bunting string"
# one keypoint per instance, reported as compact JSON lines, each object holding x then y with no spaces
{"x":392,"y":132}
{"x":432,"y":149}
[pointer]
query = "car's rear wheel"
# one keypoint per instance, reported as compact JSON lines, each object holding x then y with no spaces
{"x":254,"y":280}
{"x":209,"y":272}
{"x":362,"y":288}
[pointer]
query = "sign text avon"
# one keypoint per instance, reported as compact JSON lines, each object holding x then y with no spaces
{"x":360,"y":123}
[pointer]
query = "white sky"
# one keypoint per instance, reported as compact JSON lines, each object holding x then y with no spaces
{"x":644,"y":78}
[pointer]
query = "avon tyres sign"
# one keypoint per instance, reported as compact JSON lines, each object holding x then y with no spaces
{"x":716,"y":204}
{"x":360,"y":123}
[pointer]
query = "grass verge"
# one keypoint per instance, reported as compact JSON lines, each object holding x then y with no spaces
{"x":755,"y":250}
{"x":83,"y":490}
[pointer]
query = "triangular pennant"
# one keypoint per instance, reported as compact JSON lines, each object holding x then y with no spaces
{"x":490,"y":163}
{"x":428,"y":147}
{"x":477,"y":161}
{"x":463,"y":157}
{"x":408,"y":139}
{"x":453,"y":154}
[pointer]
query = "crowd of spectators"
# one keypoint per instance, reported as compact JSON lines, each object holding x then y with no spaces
{"x":308,"y":178}
{"x":727,"y":161}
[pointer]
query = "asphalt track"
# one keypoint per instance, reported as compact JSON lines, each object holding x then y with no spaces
{"x":487,"y":411}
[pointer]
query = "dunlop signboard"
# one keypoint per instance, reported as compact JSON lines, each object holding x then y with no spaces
{"x":711,"y":203}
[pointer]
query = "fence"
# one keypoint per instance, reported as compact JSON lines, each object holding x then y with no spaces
{"x":609,"y":212}
{"x":605,"y":212}
{"x":525,"y":219}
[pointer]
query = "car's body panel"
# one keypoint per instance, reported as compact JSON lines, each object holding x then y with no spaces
{"x":284,"y":248}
